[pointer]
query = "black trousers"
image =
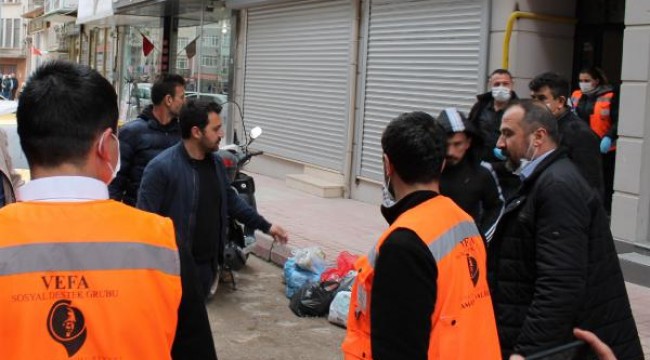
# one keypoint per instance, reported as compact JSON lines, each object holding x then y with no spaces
{"x":609,"y":164}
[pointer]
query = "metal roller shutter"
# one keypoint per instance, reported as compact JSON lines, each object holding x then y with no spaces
{"x":296,"y":80}
{"x":421,"y":55}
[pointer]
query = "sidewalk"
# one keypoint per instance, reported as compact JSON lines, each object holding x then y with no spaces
{"x":342,"y":224}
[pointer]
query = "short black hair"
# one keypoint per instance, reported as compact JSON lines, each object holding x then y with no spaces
{"x":500,"y":72}
{"x":416,"y":146}
{"x":558,"y":85}
{"x":537,"y":115}
{"x":165,"y":85}
{"x":195,"y":113}
{"x":62,"y":109}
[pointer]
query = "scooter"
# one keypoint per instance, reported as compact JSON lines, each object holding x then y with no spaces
{"x":240,"y":239}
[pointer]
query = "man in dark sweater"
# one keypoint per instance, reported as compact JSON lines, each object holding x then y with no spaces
{"x":471,"y":183}
{"x":188,"y":183}
{"x":576,"y":137}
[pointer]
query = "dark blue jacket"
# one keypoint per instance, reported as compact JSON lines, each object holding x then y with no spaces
{"x":170,"y":188}
{"x":140,"y":141}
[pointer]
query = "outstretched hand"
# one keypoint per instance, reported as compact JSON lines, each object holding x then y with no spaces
{"x":279,"y":234}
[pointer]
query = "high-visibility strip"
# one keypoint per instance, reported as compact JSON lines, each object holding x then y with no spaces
{"x":446,"y":243}
{"x":87,"y":256}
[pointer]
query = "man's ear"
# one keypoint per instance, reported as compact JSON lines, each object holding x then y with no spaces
{"x":196,"y":132}
{"x":388,"y":166}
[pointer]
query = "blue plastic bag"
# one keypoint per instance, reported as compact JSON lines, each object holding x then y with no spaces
{"x":295,"y":277}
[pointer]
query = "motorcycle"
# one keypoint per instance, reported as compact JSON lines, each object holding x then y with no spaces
{"x":240,"y":239}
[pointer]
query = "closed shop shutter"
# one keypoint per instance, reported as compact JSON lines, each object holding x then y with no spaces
{"x":421,"y":55}
{"x":296,"y":79}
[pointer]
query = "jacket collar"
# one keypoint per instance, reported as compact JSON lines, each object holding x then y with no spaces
{"x":559,"y":153}
{"x":153,"y":123}
{"x":407,"y":203}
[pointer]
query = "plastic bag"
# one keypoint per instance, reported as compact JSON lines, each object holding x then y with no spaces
{"x":348,"y":281}
{"x":344,"y":263}
{"x":339,"y":308}
{"x":311,"y":258}
{"x":295,"y":277}
{"x":313,"y":299}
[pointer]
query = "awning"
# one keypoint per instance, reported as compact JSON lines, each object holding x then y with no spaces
{"x":90,"y":10}
{"x":36,"y":12}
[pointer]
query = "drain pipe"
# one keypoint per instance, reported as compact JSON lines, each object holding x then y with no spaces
{"x":526,"y":15}
{"x":352,"y":75}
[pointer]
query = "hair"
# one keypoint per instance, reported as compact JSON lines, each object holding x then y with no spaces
{"x":416,"y":145}
{"x":537,"y":115}
{"x":558,"y":85}
{"x":62,"y":109}
{"x":596,"y":73}
{"x":165,"y":85}
{"x":500,"y":72}
{"x":195,"y":113}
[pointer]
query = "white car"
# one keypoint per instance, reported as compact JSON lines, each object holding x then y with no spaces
{"x":7,"y":106}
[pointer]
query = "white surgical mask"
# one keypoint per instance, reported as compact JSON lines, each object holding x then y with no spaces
{"x":115,"y":170}
{"x":501,"y":93}
{"x":525,"y":161}
{"x":388,"y":198}
{"x":585,"y":87}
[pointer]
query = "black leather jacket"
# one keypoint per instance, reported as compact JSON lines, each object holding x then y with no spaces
{"x":552,"y":266}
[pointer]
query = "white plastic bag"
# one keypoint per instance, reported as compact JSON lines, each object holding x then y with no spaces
{"x":311,"y":258}
{"x":339,"y":309}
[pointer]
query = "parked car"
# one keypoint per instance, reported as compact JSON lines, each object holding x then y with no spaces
{"x":7,"y":106}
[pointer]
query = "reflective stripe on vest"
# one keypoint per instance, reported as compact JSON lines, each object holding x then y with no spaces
{"x":87,"y":256}
{"x":439,"y":247}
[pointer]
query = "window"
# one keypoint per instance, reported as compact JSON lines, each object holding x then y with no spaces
{"x":10,"y":33}
{"x":182,"y":43}
{"x":209,"y":61}
{"x":181,"y":62}
{"x":210,"y":41}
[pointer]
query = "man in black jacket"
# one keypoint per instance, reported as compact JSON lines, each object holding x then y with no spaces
{"x":576,"y":137}
{"x":150,"y":133}
{"x":188,"y":183}
{"x":486,"y":116}
{"x":552,"y":264}
{"x":467,"y":180}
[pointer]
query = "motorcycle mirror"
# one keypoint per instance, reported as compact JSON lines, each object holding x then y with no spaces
{"x":255,"y":132}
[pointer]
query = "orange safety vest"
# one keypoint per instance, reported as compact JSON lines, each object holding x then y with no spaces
{"x":600,"y":120}
{"x":462,"y":323}
{"x":87,"y":280}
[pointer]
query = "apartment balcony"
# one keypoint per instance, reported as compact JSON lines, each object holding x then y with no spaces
{"x":33,"y":8}
{"x":18,"y":53}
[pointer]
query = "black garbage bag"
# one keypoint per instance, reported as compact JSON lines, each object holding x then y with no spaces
{"x":313,"y":299}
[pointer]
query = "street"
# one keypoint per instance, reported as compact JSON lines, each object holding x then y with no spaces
{"x":255,"y":322}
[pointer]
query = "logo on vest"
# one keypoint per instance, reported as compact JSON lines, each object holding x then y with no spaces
{"x":67,"y":326}
{"x":472,"y":265}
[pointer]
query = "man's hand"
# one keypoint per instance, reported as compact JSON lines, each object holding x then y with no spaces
{"x":602,"y":351}
{"x":279,"y":234}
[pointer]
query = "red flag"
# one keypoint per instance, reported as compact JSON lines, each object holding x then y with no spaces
{"x":190,"y":49}
{"x":147,"y":46}
{"x":36,"y":51}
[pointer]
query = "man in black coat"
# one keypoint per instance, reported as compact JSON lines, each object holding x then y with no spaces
{"x":486,"y":116}
{"x":576,"y":137}
{"x":153,"y":131}
{"x":552,"y":265}
{"x":468,"y":181}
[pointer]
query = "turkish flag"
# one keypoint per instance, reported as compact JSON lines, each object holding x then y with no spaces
{"x":147,"y":46}
{"x":36,"y":51}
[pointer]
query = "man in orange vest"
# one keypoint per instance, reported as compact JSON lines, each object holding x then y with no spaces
{"x":74,"y":264}
{"x":421,"y":292}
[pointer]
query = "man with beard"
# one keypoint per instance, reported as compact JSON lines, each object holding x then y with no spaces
{"x":552,"y":264}
{"x":188,"y":183}
{"x":151,"y":132}
{"x":472,"y":184}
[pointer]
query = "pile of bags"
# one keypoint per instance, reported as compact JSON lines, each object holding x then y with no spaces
{"x":316,"y":289}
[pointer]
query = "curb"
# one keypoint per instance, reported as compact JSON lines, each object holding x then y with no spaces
{"x":266,"y":249}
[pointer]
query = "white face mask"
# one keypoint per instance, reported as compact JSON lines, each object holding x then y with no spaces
{"x":501,"y":93}
{"x":115,"y":170}
{"x":388,"y":195}
{"x":525,"y":161}
{"x":585,"y":87}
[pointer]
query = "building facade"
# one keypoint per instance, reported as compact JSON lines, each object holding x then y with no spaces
{"x":323,"y":78}
{"x":12,"y":39}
